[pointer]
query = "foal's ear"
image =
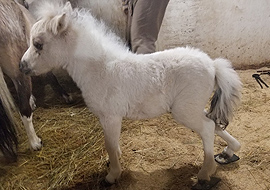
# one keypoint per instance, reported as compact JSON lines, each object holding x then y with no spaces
{"x":67,"y":8}
{"x":60,"y":24}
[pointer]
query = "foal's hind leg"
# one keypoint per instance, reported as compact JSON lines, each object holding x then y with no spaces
{"x":227,"y":155}
{"x":206,"y":131}
{"x":112,"y":128}
{"x":26,"y":106}
{"x":205,"y":127}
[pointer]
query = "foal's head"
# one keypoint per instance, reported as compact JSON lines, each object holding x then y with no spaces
{"x":49,"y":44}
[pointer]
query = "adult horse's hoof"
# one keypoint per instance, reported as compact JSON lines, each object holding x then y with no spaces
{"x":224,"y":158}
{"x":36,"y":146}
{"x":205,"y":185}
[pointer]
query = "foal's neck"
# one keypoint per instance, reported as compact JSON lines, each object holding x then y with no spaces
{"x":96,"y":49}
{"x":97,"y":42}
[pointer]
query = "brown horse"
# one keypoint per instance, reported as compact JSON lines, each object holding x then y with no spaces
{"x":15,"y":25}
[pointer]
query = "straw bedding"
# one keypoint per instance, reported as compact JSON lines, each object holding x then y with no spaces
{"x":157,"y":153}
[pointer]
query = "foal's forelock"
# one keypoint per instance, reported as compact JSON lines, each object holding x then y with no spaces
{"x":44,"y":27}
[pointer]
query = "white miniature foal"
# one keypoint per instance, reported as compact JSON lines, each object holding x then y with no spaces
{"x":116,"y":83}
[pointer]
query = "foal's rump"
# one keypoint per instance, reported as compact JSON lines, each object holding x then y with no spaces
{"x":192,"y":76}
{"x":227,"y":95}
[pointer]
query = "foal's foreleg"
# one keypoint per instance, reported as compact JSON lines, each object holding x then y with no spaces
{"x":52,"y":80}
{"x":26,"y":106}
{"x":112,"y":128}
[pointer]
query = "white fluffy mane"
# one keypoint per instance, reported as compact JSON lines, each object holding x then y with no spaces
{"x":48,"y":8}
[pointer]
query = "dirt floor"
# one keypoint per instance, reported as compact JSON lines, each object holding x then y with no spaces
{"x":158,"y":154}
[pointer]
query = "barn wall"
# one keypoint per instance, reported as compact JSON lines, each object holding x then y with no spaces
{"x":237,"y":30}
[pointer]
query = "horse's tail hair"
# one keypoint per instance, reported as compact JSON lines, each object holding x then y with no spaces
{"x":227,"y":95}
{"x":8,"y":136}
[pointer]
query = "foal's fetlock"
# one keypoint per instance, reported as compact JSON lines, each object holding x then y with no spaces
{"x":235,"y":147}
{"x":206,"y":184}
{"x":112,"y":178}
{"x":203,"y":176}
{"x":227,"y":151}
{"x":231,"y":149}
{"x":205,"y":181}
{"x":105,"y":183}
{"x":227,"y":156}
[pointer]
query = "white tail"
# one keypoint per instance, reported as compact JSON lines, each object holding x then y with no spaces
{"x":227,"y":95}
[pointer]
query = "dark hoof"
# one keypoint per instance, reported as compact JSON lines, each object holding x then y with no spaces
{"x":224,"y":158}
{"x":68,"y":99}
{"x":204,"y":185}
{"x":105,"y":183}
{"x":108,"y":164}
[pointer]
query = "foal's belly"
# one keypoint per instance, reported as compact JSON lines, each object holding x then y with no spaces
{"x":149,"y":108}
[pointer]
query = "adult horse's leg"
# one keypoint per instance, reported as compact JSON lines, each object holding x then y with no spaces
{"x":23,"y":87}
{"x":8,"y":136}
{"x":13,"y":43}
{"x":26,"y":105}
{"x":112,"y":129}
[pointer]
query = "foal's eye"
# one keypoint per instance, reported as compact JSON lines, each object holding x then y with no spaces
{"x":38,"y":45}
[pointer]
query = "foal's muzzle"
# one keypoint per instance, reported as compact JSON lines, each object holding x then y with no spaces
{"x":23,"y":66}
